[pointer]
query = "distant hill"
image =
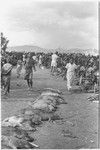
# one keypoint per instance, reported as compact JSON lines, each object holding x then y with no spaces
{"x":26,"y":48}
{"x":30,"y":48}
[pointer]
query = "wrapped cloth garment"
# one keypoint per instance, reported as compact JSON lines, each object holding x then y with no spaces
{"x":19,"y":68}
{"x":70,"y":74}
{"x":54,"y":60}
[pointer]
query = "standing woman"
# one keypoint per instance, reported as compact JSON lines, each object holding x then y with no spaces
{"x":24,"y":58}
{"x":71,"y":67}
{"x":19,"y":68}
{"x":35,"y":60}
{"x":29,"y":65}
{"x":40,"y":61}
{"x":54,"y":62}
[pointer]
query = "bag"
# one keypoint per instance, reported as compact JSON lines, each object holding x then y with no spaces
{"x":6,"y":68}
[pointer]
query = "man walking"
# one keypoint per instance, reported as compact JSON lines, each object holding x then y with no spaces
{"x":29,"y":65}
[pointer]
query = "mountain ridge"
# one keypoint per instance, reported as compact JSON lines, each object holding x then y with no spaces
{"x":31,"y":48}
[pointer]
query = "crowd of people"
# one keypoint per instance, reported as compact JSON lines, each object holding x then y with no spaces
{"x":71,"y":66}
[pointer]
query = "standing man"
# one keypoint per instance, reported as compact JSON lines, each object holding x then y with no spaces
{"x":29,"y":65}
{"x":71,"y":67}
{"x":54,"y":62}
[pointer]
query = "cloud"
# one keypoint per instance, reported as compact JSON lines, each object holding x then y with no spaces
{"x":52,"y":24}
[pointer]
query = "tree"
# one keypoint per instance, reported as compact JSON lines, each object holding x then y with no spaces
{"x":4,"y":43}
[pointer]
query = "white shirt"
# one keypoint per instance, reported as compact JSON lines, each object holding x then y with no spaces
{"x":40,"y":57}
{"x":71,"y":67}
{"x":54,"y":58}
{"x":23,"y":57}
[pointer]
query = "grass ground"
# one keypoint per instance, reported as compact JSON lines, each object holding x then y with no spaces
{"x":79,"y":129}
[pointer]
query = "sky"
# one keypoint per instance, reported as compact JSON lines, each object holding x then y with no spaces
{"x":50,"y":24}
